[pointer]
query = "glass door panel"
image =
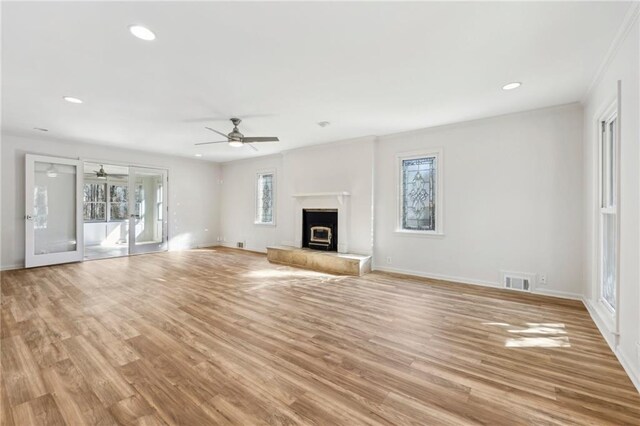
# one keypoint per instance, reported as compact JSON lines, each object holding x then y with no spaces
{"x":53,"y":211}
{"x":147,"y":207}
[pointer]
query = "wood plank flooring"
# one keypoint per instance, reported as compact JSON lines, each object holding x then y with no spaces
{"x":219,"y":336}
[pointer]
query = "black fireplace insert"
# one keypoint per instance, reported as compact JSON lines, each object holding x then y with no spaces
{"x":320,"y":229}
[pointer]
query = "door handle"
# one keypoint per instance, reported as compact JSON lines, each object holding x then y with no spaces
{"x":135,"y":216}
{"x":28,"y":217}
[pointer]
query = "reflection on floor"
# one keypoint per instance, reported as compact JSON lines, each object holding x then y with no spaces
{"x":102,"y":252}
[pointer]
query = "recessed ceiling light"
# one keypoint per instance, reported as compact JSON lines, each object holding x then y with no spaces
{"x":72,"y":100}
{"x":142,"y":33}
{"x":41,"y":129}
{"x":323,"y":123}
{"x":198,"y":155}
{"x":511,"y":86}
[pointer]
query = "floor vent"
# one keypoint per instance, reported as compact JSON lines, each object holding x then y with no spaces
{"x":517,"y":281}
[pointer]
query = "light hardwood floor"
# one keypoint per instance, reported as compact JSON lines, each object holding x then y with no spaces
{"x":223,"y":337}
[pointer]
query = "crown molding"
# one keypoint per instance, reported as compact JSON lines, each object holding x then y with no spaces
{"x":629,"y":20}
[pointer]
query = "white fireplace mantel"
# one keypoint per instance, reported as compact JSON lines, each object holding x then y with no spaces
{"x":339,"y":195}
{"x":324,"y":200}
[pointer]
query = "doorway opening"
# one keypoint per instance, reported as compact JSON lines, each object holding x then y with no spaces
{"x":124,"y":210}
{"x":105,"y":210}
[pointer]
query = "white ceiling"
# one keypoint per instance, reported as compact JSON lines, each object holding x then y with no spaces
{"x":368,"y":68}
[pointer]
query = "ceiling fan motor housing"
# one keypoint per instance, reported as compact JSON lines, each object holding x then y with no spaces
{"x":235,"y":133}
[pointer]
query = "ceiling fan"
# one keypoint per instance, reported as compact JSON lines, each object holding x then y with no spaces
{"x":102,"y":174}
{"x":237,"y":139}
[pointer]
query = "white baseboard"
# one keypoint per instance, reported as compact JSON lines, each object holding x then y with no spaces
{"x":436,"y":276}
{"x":633,"y":374}
{"x":464,"y":280}
{"x":205,"y":245}
{"x":254,"y":250}
{"x":557,"y":293}
{"x":10,"y":267}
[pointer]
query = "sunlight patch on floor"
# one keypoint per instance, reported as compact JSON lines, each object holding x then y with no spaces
{"x":276,"y":273}
{"x":554,"y":335}
{"x":538,"y":342}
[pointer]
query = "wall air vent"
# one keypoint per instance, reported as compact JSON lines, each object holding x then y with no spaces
{"x":518,"y":281}
{"x":240,"y":244}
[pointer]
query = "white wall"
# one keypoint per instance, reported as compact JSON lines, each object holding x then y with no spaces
{"x":238,"y":203}
{"x":193,"y":192}
{"x":340,"y":166}
{"x":512,"y":200}
{"x":624,"y":66}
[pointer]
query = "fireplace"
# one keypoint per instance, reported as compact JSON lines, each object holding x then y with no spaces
{"x":320,"y":229}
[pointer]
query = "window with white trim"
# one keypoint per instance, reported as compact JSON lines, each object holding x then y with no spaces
{"x":419,"y":193}
{"x":608,"y":166}
{"x":95,"y":202}
{"x":105,"y":201}
{"x":265,"y":189}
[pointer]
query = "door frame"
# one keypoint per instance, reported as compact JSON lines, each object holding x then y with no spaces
{"x":32,"y":259}
{"x":164,"y":245}
{"x":131,"y":165}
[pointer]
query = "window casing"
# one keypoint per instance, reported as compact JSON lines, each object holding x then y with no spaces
{"x":265,"y":198}
{"x":420,"y":193}
{"x":608,"y":210}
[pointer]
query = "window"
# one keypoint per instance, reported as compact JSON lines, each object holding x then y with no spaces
{"x":40,"y":207}
{"x":420,"y":193}
{"x":265,"y":198}
{"x":608,"y":210}
{"x":98,"y":207}
{"x":95,"y":202}
{"x":159,"y":201}
{"x":118,"y":202}
{"x":139,"y":205}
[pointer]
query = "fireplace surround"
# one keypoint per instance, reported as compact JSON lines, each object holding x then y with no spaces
{"x":338,"y":201}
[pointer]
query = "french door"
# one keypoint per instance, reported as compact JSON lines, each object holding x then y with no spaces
{"x":148,"y":210}
{"x":53,"y":211}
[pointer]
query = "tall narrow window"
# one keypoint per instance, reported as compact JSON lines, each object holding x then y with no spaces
{"x":118,"y":202}
{"x":419,"y":208}
{"x":608,"y":211}
{"x":265,"y":198}
{"x":95,"y":202}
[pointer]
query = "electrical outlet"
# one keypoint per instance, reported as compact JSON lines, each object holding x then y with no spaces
{"x":389,"y":259}
{"x":543,"y":279}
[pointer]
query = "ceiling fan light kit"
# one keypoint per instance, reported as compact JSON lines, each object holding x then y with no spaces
{"x":237,"y":139}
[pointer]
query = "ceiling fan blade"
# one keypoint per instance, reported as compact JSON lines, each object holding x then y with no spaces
{"x":207,"y":143}
{"x":214,"y":130}
{"x":251,"y":146}
{"x":261,"y":139}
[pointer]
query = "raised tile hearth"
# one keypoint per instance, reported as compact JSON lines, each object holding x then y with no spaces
{"x":321,"y":261}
